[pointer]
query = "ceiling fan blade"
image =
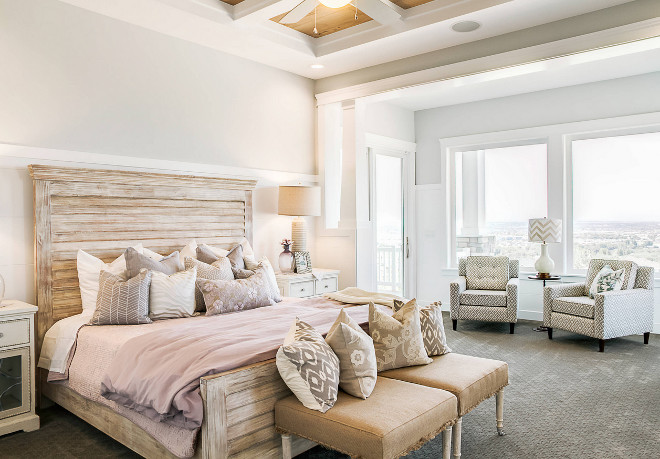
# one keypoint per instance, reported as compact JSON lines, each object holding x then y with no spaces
{"x":378,"y":11}
{"x":299,"y":12}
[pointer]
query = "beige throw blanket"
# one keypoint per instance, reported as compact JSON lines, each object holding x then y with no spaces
{"x":354,"y":295}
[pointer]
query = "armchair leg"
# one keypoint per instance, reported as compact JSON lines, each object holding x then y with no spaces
{"x":549,"y":333}
{"x":454,"y":322}
{"x":601,"y":345}
{"x":646,"y":337}
{"x":511,"y":327}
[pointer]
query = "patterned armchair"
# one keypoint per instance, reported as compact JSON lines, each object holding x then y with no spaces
{"x":487,"y":289}
{"x":628,"y":311}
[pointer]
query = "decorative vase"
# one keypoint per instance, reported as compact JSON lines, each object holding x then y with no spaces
{"x":544,"y":265}
{"x":286,"y":260}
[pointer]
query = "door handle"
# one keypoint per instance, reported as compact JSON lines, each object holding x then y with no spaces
{"x":407,"y":248}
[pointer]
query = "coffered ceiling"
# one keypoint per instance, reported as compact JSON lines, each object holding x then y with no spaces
{"x":280,"y":33}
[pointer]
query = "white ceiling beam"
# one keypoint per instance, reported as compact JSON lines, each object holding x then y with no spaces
{"x":262,"y":10}
{"x":381,"y":11}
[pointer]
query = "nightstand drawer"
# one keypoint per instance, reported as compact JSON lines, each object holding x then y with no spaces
{"x":14,"y":332}
{"x":301,"y":289}
{"x":326,"y":285}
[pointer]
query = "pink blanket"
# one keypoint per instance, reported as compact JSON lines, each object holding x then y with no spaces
{"x":158,"y":372}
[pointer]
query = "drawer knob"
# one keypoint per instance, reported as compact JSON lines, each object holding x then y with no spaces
{"x":1,"y":334}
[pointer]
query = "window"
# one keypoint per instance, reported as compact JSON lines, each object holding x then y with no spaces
{"x":497,"y":191}
{"x":615,"y":187}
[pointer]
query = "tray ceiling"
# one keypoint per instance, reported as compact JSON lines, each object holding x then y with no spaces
{"x":328,"y":20}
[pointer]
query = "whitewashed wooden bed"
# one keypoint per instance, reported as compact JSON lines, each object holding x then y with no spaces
{"x":105,"y":211}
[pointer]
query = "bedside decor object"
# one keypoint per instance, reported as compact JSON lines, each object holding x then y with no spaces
{"x":299,"y":201}
{"x":544,"y":230}
{"x":286,"y":260}
{"x":303,"y":262}
{"x":17,"y":373}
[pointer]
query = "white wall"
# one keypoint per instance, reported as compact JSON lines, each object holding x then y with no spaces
{"x":607,"y":99}
{"x":97,"y":92}
{"x":391,"y":121}
{"x":71,"y":79}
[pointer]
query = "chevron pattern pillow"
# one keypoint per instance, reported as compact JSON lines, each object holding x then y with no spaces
{"x":122,"y":302}
{"x":309,"y":366}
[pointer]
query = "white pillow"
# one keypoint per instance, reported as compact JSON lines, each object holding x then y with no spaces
{"x":274,"y":292}
{"x":594,"y":285}
{"x":190,"y":250}
{"x":220,"y":253}
{"x":248,"y":255}
{"x":172,"y":296}
{"x":89,"y":270}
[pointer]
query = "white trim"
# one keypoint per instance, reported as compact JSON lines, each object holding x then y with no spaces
{"x":18,"y":156}
{"x":564,"y":51}
{"x":429,"y":186}
{"x":389,"y":143}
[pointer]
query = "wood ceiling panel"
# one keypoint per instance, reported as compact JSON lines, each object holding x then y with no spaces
{"x":232,"y":2}
{"x":328,"y":20}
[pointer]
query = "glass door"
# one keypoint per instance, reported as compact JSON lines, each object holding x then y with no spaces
{"x":14,"y":384}
{"x":388,"y":210}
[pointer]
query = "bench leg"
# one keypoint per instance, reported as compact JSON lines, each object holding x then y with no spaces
{"x":456,"y":439}
{"x":446,"y":443}
{"x":499,"y":408}
{"x":286,"y":447}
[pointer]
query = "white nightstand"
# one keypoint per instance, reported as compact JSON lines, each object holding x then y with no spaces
{"x":17,"y":367}
{"x":309,"y":285}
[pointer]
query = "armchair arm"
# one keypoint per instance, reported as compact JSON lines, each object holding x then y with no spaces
{"x":552,"y":292}
{"x":623,"y":312}
{"x":456,"y":287}
{"x":512,"y":300}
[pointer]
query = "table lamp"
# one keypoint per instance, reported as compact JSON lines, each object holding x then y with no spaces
{"x":544,"y":230}
{"x":299,"y":201}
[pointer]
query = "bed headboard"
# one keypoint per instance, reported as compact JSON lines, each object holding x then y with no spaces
{"x":105,"y":211}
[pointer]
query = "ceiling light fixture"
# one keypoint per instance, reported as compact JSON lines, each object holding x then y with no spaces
{"x":335,"y":3}
{"x":317,"y":66}
{"x":465,"y":26}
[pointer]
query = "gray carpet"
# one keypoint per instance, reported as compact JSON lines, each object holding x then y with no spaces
{"x":565,"y":400}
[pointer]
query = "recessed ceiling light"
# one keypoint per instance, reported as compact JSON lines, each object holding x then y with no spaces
{"x":317,"y":66}
{"x":465,"y":26}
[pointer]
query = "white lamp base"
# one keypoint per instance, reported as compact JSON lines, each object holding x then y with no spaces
{"x":544,"y":265}
{"x":299,"y":234}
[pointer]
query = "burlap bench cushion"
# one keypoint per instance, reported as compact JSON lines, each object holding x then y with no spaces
{"x":470,"y":379}
{"x":397,"y":418}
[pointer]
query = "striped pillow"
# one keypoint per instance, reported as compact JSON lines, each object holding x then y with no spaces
{"x":122,"y":302}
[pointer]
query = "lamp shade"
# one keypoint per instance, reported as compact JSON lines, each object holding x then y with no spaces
{"x":544,"y":230}
{"x":299,"y":201}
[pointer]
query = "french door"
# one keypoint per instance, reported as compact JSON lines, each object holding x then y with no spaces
{"x":389,"y":222}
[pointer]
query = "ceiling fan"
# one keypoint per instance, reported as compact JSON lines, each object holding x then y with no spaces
{"x":383,"y":12}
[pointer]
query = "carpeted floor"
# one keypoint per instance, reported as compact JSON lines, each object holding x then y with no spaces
{"x":565,"y":400}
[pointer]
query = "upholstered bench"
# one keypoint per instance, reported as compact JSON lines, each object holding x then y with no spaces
{"x":398,"y":417}
{"x":471,"y":379}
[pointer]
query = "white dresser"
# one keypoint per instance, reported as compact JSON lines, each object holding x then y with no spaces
{"x":309,"y":285}
{"x":17,"y":367}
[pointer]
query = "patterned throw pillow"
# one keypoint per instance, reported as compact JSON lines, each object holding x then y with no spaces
{"x":433,"y":328}
{"x":219,"y":270}
{"x":122,"y":302}
{"x":357,"y":356}
{"x":136,"y":261}
{"x":223,"y":296}
{"x":610,"y":281}
{"x":309,"y":366}
{"x":397,"y":339}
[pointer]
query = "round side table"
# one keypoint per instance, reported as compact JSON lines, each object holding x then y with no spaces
{"x":544,"y":279}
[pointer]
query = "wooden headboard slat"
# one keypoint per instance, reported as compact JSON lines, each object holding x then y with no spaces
{"x":105,"y":211}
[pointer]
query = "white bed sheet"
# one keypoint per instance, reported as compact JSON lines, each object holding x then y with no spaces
{"x":59,"y":342}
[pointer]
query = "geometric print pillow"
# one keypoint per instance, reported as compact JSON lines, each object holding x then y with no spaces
{"x":309,"y":366}
{"x":433,"y":329}
{"x":122,"y":302}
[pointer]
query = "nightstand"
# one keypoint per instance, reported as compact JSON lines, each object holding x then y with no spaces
{"x":17,"y":364}
{"x":309,"y":285}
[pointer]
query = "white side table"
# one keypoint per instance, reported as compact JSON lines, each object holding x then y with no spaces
{"x":17,"y":367}
{"x":309,"y":285}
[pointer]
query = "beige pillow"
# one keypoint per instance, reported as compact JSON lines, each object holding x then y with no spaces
{"x":223,"y":296}
{"x":219,"y":270}
{"x":122,"y":302}
{"x":357,"y":356}
{"x":433,"y":328}
{"x":397,"y":339}
{"x":309,"y":367}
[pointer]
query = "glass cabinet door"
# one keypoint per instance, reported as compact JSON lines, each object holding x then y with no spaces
{"x":14,"y":382}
